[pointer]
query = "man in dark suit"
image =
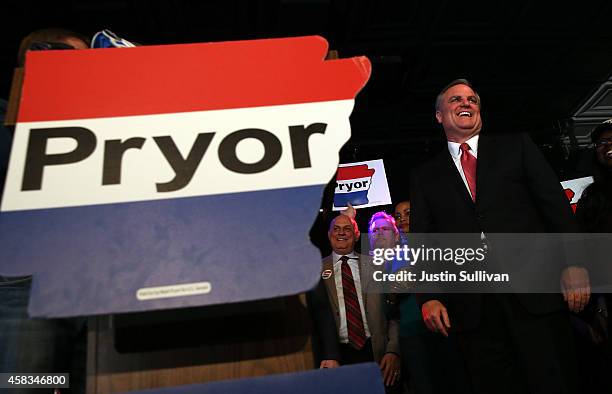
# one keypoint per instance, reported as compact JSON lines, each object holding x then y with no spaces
{"x":365,"y":332}
{"x":515,"y":343}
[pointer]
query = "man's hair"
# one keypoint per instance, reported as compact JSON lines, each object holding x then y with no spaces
{"x":46,"y":35}
{"x":385,"y":216}
{"x":459,"y":81}
{"x":401,"y":202}
{"x":353,"y":222}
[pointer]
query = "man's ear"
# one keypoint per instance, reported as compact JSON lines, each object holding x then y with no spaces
{"x":439,"y":116}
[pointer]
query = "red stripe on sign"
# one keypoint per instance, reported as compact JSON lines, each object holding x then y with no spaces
{"x":98,"y":83}
{"x":359,"y":171}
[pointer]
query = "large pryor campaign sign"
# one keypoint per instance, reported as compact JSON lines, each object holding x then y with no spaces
{"x":171,"y":176}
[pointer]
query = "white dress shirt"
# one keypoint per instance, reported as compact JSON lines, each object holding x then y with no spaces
{"x":353,"y":263}
{"x":455,"y":152}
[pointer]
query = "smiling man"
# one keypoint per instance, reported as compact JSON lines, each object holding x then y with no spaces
{"x":458,"y":110}
{"x":496,"y":183}
{"x":364,"y":331}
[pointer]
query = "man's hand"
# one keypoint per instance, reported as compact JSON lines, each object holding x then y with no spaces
{"x":576,"y":287}
{"x":349,"y":211}
{"x":390,"y":368}
{"x":329,"y":364}
{"x":435,"y":317}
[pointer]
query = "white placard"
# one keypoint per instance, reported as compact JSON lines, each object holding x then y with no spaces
{"x":363,"y":184}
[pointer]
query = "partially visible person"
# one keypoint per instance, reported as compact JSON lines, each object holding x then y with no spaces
{"x":49,"y":39}
{"x":365,"y":333}
{"x":430,"y":363}
{"x":594,"y":211}
{"x":418,"y":346}
{"x":382,"y":233}
{"x":39,"y":345}
{"x":402,"y":216}
{"x":594,"y":214}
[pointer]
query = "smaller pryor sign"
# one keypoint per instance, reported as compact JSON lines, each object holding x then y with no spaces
{"x":573,"y":189}
{"x":363,"y":184}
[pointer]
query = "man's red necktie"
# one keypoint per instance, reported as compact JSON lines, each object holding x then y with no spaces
{"x":354,"y":320}
{"x":468,"y":163}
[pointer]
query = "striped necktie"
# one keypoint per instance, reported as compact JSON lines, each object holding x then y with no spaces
{"x":354,"y":320}
{"x":468,"y":163}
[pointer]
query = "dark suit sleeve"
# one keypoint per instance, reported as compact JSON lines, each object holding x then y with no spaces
{"x":420,"y":217}
{"x":551,"y":201}
{"x":421,"y":222}
{"x":546,"y":190}
{"x":325,"y":336}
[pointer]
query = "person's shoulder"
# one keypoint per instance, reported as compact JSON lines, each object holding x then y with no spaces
{"x":432,"y":163}
{"x":365,"y":264}
{"x":506,"y":141}
{"x":503,"y":137}
{"x":593,"y":190}
{"x":507,"y":137}
{"x":364,"y":257}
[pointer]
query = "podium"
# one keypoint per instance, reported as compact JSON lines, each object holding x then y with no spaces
{"x":170,"y":348}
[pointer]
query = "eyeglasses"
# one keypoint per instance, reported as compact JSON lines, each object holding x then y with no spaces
{"x":603,"y":142}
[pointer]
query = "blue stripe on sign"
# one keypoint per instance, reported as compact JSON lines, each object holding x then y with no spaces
{"x":93,"y":259}
{"x":355,"y":198}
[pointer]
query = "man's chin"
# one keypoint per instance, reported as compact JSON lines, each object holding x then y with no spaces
{"x":342,"y":250}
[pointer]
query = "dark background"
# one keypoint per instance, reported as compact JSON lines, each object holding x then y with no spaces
{"x":533,"y":63}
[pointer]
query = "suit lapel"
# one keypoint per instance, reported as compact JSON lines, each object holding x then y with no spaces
{"x":483,"y":166}
{"x":363,"y":278}
{"x":453,"y":178}
{"x":330,"y":283}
